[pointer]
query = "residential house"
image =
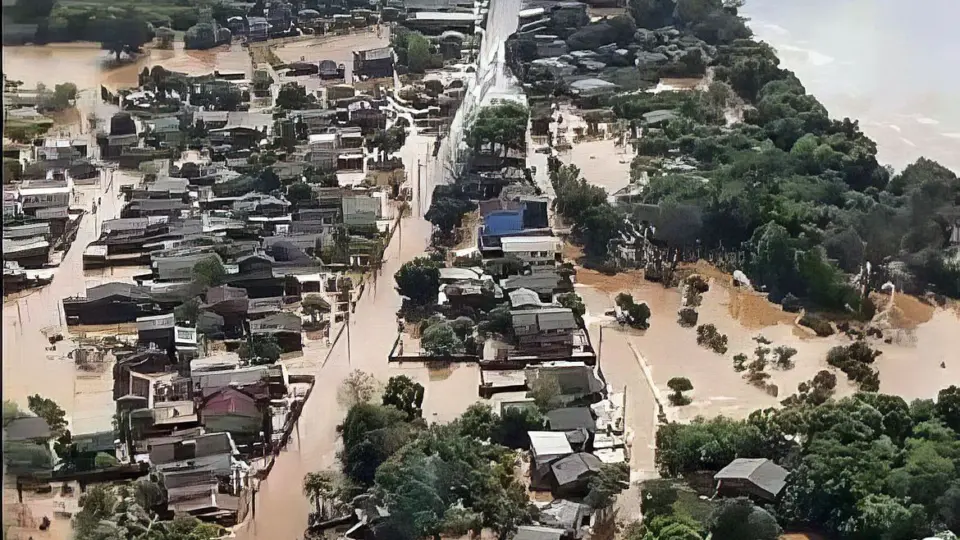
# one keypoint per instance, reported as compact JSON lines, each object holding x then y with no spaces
{"x":110,"y":303}
{"x":171,"y":208}
{"x":258,"y":29}
{"x":157,"y":330}
{"x":373,"y":63}
{"x":165,"y":130}
{"x":42,"y":194}
{"x":570,"y":475}
{"x":437,"y":22}
{"x":545,"y":448}
{"x":285,"y":326}
{"x":533,"y":250}
{"x":544,"y":333}
{"x":576,"y":380}
{"x":759,"y":479}
{"x":569,"y":516}
{"x":537,"y":532}
{"x":361,"y":210}
{"x":241,"y":411}
{"x":206,"y":382}
{"x":499,"y":217}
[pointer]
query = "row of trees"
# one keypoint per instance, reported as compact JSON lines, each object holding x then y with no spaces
{"x":868,"y":466}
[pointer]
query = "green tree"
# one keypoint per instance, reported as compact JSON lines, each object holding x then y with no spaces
{"x":418,"y":53}
{"x":300,"y":192}
{"x":478,"y":421}
{"x":187,"y":312}
{"x":209,"y":272}
{"x":514,"y":426}
{"x":441,"y":340}
{"x":405,"y":395}
{"x":260,"y":349}
{"x":597,"y":227}
{"x":419,"y":280}
{"x":447,"y":212}
{"x":948,"y":406}
{"x":126,"y":35}
{"x":607,"y":484}
{"x":97,"y":504}
{"x":371,"y":434}
{"x":573,"y":302}
{"x":502,"y":125}
{"x":293,"y":96}
{"x":739,"y":519}
{"x":679,"y":385}
{"x":657,"y":498}
{"x":545,"y":391}
{"x":358,"y":387}
{"x":52,"y":414}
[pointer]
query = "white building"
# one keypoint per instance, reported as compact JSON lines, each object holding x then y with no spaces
{"x":534,"y":250}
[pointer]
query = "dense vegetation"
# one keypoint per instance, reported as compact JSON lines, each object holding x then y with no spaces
{"x":868,"y":466}
{"x":804,"y":194}
{"x":436,"y":479}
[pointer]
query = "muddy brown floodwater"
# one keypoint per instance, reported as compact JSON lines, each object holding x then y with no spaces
{"x":88,"y":66}
{"x":909,"y":366}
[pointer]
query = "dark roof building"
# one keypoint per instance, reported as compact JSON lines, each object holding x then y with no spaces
{"x":571,"y":418}
{"x":756,"y":478}
{"x":571,"y":474}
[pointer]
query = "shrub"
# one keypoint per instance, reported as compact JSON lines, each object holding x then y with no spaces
{"x":709,"y":337}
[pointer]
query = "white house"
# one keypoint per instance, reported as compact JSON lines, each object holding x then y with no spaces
{"x":534,"y":250}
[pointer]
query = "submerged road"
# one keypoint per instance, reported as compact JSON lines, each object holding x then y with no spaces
{"x":281,"y":508}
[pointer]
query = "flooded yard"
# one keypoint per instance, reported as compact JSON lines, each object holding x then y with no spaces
{"x":910,"y":366}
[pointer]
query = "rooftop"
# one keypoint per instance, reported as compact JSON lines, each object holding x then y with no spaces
{"x":762,"y":473}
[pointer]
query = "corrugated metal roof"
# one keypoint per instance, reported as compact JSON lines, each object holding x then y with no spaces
{"x":549,"y":443}
{"x":763,"y":473}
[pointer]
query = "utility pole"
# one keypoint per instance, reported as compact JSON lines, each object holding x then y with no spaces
{"x":419,"y":190}
{"x":347,"y":322}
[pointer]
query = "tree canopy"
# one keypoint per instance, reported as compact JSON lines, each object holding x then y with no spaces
{"x":419,"y":280}
{"x":864,"y":467}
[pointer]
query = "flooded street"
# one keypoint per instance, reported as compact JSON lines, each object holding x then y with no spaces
{"x":281,"y":509}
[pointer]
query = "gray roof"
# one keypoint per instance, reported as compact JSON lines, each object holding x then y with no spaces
{"x":589,"y":86}
{"x":529,"y":321}
{"x":159,"y":204}
{"x":280,"y":322}
{"x":762,"y":473}
{"x":27,"y":428}
{"x":570,"y":418}
{"x":533,"y":532}
{"x":563,"y":514}
{"x":523,"y":298}
{"x":573,"y":467}
{"x":377,"y":54}
{"x":545,"y":282}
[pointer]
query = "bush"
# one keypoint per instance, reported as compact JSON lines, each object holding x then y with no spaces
{"x":854,"y":360}
{"x":818,"y":325}
{"x":709,"y":337}
{"x":687,"y":317}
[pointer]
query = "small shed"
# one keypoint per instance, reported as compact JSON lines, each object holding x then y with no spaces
{"x":755,"y":478}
